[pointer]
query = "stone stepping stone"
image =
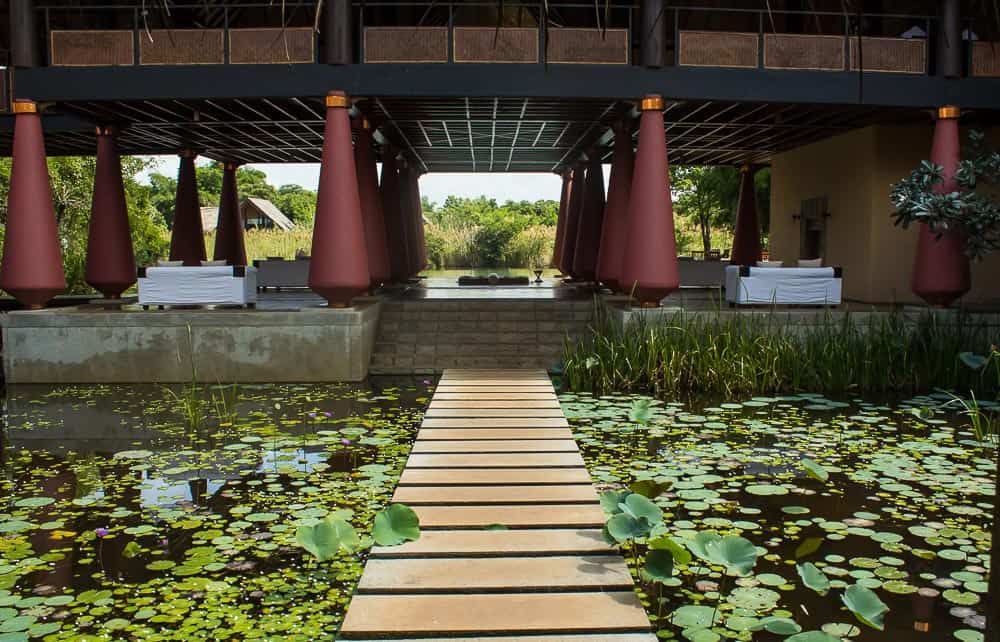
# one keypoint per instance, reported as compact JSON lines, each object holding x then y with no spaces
{"x":494,"y":388}
{"x":535,"y":541}
{"x":491,"y":614}
{"x":493,"y":412}
{"x":495,"y":396}
{"x":613,"y":637}
{"x":498,"y":574}
{"x":496,"y":446}
{"x":495,"y":460}
{"x":433,"y":434}
{"x":437,"y":495}
{"x":497,"y":422}
{"x":512,"y":516}
{"x":494,"y":403}
{"x":492,"y":476}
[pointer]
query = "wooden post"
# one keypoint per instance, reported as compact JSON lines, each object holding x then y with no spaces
{"x":337,"y":33}
{"x":949,"y":40}
{"x":24,"y":45}
{"x":653,"y":34}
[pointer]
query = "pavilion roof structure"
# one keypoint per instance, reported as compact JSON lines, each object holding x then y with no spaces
{"x":453,"y":134}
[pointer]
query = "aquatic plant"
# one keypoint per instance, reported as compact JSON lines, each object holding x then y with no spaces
{"x":826,"y":493}
{"x":759,"y":353}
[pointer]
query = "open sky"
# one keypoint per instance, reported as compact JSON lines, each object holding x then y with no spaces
{"x":436,"y":187}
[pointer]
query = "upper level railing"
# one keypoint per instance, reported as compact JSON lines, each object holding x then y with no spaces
{"x":477,"y":31}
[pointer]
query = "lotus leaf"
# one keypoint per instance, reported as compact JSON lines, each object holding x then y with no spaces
{"x":679,"y":553}
{"x":813,"y":578}
{"x":659,"y":566}
{"x":866,"y":606}
{"x":814,"y":470}
{"x":395,"y":524}
{"x":326,"y":538}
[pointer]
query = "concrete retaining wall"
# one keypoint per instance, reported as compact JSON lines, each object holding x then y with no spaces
{"x":76,"y":346}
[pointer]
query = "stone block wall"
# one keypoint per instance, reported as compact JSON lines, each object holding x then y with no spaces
{"x":426,"y":336}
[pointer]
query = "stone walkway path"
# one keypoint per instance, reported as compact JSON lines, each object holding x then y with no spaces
{"x":495,"y":449}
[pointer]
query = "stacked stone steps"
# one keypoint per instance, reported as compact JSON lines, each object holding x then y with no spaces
{"x":428,"y":336}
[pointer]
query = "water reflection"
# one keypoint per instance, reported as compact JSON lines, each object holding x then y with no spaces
{"x":112,"y":486}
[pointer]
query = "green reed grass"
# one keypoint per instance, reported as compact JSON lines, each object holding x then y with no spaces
{"x":762,"y":353}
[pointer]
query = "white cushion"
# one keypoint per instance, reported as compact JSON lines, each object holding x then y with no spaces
{"x":810,"y":262}
{"x":769,"y":264}
{"x":169,"y":263}
{"x":212,"y":263}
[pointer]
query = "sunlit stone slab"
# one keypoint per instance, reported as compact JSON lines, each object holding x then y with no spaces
{"x":493,"y":476}
{"x":554,"y":573}
{"x":512,"y":516}
{"x":545,"y":494}
{"x":495,"y":460}
{"x":497,"y":422}
{"x":501,"y":542}
{"x":385,"y":615}
{"x":493,"y":412}
{"x":497,"y":446}
{"x":493,"y":433}
{"x":494,"y":403}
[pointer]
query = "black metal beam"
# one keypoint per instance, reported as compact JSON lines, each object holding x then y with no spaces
{"x":482,"y":80}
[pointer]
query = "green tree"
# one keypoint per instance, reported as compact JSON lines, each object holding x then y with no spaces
{"x":297,"y":203}
{"x":707,"y":195}
{"x":72,"y":181}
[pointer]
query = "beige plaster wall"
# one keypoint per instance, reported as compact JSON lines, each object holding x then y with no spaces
{"x":855,"y":170}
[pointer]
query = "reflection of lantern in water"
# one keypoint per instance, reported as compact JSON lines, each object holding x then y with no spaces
{"x":923,"y":608}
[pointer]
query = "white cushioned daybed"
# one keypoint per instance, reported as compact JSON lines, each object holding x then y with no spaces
{"x":198,"y":285}
{"x":783,"y":285}
{"x":279,"y":273}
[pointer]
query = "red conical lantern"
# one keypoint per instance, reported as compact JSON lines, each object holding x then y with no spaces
{"x":746,"y":237}
{"x":230,"y":245}
{"x":371,"y":207}
{"x":615,"y":229}
{"x":31,"y":269}
{"x":338,"y":269}
{"x":650,"y":265}
{"x":110,"y":259}
{"x":187,"y":237}
{"x":941,"y":272}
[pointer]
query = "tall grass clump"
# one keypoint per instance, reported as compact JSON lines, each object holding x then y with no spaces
{"x":763,"y":353}
{"x":263,"y":243}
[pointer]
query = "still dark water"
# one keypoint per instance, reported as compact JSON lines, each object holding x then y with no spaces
{"x":143,"y":512}
{"x":905,"y":509}
{"x":147,"y":513}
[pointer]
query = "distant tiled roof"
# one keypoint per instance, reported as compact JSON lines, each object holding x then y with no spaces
{"x":268,"y":209}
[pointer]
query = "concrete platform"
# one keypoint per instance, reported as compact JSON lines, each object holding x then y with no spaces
{"x":81,"y":345}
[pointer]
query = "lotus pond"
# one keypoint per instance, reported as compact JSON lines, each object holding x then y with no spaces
{"x":150,"y":513}
{"x":796,"y":516}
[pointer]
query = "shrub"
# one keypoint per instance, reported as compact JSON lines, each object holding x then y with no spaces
{"x":531,"y":247}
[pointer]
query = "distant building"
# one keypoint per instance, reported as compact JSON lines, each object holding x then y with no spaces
{"x":257,"y":213}
{"x":262,"y":213}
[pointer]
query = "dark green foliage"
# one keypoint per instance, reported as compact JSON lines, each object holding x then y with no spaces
{"x":759,"y":353}
{"x":972,"y":210}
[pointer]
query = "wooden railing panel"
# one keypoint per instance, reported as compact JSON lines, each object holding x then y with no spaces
{"x":406,"y":44}
{"x":890,"y":55}
{"x":87,"y":48}
{"x":718,"y":49}
{"x":587,"y":46}
{"x":795,"y":51}
{"x":182,"y":47}
{"x":271,"y":46}
{"x":488,"y":44}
